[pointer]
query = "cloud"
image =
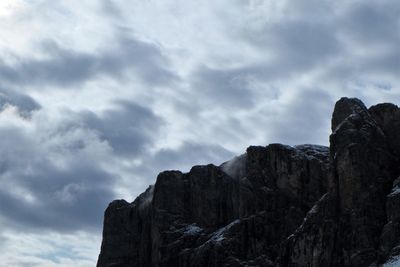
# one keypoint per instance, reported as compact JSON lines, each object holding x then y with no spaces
{"x":67,"y":68}
{"x":304,"y":118}
{"x":228,"y":87}
{"x":373,"y":23}
{"x":128,"y":129}
{"x":110,"y":8}
{"x":190,"y":154}
{"x":58,"y":178}
{"x":181,"y":158}
{"x":48,"y":250}
{"x":24,"y":103}
{"x":295,"y":46}
{"x":47,"y":184}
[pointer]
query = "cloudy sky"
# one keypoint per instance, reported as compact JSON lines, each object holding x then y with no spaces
{"x":98,"y":96}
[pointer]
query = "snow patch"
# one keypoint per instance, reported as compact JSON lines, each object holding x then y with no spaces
{"x":290,"y":237}
{"x":314,"y":209}
{"x":192,"y":229}
{"x":218,"y":235}
{"x":316,"y":148}
{"x":395,"y":191}
{"x":314,"y":151}
{"x":393,"y":262}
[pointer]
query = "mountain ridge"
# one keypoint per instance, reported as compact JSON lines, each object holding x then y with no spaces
{"x":277,"y":205}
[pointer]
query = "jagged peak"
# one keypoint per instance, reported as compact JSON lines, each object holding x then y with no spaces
{"x":346,"y":107}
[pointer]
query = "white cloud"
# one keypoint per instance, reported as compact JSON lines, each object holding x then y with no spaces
{"x":9,"y":7}
{"x":49,"y":250}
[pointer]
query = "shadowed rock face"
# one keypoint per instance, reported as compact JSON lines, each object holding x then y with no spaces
{"x":277,"y":205}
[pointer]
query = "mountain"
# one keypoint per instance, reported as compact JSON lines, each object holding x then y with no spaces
{"x":277,"y":205}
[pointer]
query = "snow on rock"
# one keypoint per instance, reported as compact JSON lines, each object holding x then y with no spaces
{"x":314,"y":209}
{"x":395,"y":191}
{"x":313,"y":151}
{"x":218,"y":235}
{"x":396,"y":188}
{"x":192,"y":229}
{"x":393,"y":262}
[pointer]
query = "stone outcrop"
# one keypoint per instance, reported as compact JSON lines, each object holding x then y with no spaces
{"x":277,"y":205}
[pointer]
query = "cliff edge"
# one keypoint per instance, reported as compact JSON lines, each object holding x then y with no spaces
{"x":277,"y":205}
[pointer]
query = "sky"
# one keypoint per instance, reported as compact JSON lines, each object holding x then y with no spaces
{"x":98,"y":97}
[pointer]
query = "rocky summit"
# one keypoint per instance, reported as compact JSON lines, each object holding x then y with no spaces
{"x":277,"y":205}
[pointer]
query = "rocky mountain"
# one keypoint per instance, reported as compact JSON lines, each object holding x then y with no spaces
{"x":277,"y":205}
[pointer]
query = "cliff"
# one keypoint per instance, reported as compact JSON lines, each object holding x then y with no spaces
{"x":277,"y":205}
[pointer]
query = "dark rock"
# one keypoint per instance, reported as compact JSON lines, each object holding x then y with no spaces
{"x":126,"y":233}
{"x":346,"y":229}
{"x":313,"y":243}
{"x":363,"y":171}
{"x":278,"y":205}
{"x":388,"y":117}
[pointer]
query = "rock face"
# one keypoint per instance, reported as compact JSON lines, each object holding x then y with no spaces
{"x":277,"y":205}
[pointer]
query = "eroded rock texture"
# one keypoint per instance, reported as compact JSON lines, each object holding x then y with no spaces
{"x":278,"y":205}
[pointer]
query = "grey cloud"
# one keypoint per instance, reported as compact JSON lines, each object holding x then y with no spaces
{"x":371,"y":35}
{"x":181,"y":158}
{"x":316,"y":36}
{"x":390,"y":63}
{"x":373,"y":22}
{"x":64,"y":198}
{"x":108,"y":7}
{"x":341,"y":44}
{"x":67,"y":68}
{"x":62,"y":173}
{"x":85,"y":210}
{"x":225,"y":87}
{"x":311,"y":9}
{"x":294,"y":47}
{"x":128,"y":129}
{"x":24,"y":103}
{"x":190,"y":154}
{"x":305,"y":119}
{"x":303,"y":44}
